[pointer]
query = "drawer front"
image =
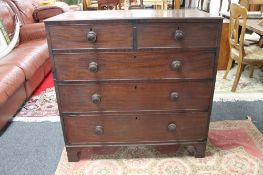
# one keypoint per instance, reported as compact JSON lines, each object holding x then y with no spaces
{"x":127,"y":129}
{"x":98,"y":66}
{"x":76,"y":36}
{"x":179,"y":35}
{"x":135,"y":96}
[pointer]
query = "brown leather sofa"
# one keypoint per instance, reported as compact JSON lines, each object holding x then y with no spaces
{"x":22,"y":70}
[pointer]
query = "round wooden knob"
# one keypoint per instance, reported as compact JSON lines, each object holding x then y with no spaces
{"x":176,"y":65}
{"x":99,"y":130}
{"x":93,"y":67}
{"x":171,"y":127}
{"x":174,"y":96}
{"x":179,"y":35}
{"x":92,"y":36}
{"x":96,"y":98}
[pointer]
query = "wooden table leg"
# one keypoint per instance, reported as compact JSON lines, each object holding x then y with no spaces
{"x":197,"y":149}
{"x":73,"y":154}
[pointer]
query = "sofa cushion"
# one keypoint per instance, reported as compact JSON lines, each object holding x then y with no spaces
{"x":29,"y":56}
{"x":8,"y":16}
{"x":32,"y":32}
{"x":11,"y":78}
{"x":26,"y":8}
{"x":42,"y":13}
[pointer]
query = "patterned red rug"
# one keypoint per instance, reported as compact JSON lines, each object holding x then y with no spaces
{"x":46,"y":83}
{"x":42,"y":104}
{"x":234,"y":148}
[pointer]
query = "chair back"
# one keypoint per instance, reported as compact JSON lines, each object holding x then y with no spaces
{"x":139,"y":6}
{"x":252,"y":5}
{"x":236,"y":34}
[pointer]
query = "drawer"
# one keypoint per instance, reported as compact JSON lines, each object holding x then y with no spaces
{"x":136,"y":128}
{"x":178,"y":35}
{"x":135,"y":96}
{"x":143,"y":65}
{"x":76,"y":36}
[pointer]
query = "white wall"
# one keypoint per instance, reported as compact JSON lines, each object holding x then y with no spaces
{"x":214,"y":5}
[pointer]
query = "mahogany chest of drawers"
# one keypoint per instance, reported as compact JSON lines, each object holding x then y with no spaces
{"x":134,"y":77}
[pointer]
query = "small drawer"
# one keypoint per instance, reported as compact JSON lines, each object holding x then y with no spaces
{"x":143,"y":65}
{"x":135,"y":128}
{"x":135,"y":96}
{"x":177,"y":35}
{"x":91,"y":36}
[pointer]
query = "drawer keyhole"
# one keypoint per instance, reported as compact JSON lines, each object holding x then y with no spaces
{"x":135,"y":87}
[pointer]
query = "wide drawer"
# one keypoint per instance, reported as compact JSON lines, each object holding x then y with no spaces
{"x":178,"y":35}
{"x":136,"y":128}
{"x":76,"y":36}
{"x":135,"y":96}
{"x":99,"y":66}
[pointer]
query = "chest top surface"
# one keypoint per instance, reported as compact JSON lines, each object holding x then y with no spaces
{"x":130,"y":15}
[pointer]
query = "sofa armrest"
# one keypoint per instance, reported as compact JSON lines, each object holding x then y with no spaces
{"x":42,"y":13}
{"x":32,"y":31}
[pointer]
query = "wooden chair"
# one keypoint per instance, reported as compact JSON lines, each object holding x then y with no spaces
{"x":252,"y":5}
{"x":177,"y":4}
{"x":204,"y":5}
{"x":137,"y":6}
{"x":101,"y":4}
{"x":109,"y":4}
{"x":251,"y":55}
{"x":190,"y":4}
{"x":90,"y":5}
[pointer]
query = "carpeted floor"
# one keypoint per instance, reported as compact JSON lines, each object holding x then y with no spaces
{"x":31,"y":148}
{"x":239,"y":110}
{"x":245,"y":85}
{"x":235,"y":148}
{"x":35,"y":149}
{"x":248,"y":89}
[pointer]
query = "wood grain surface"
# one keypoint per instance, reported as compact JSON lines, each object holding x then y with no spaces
{"x":135,"y":96}
{"x":132,"y":129}
{"x":135,"y":65}
{"x":75,"y":36}
{"x":160,"y":35}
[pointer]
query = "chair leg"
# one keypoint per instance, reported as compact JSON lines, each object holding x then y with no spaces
{"x":190,"y":4}
{"x":251,"y":71}
{"x":177,"y":4}
{"x":229,"y":65}
{"x":240,"y":68}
